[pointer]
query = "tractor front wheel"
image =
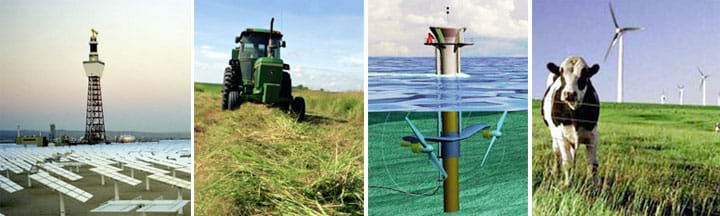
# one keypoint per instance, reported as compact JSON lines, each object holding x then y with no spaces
{"x":227,"y":86}
{"x":298,"y":108}
{"x":234,"y":100}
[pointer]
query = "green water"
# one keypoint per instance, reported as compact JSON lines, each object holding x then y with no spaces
{"x":497,"y":188}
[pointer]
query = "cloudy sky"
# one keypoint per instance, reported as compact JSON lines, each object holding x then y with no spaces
{"x":324,"y":38}
{"x":146,"y":46}
{"x":678,"y":37}
{"x":399,"y":27}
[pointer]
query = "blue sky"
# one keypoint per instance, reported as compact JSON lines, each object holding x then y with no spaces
{"x":678,"y":36}
{"x":324,"y":39}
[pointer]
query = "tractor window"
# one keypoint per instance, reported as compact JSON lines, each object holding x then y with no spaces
{"x":255,"y":45}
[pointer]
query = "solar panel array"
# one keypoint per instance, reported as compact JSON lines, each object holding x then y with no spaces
{"x":117,"y":176}
{"x":62,"y":187}
{"x":48,"y":165}
{"x":8,"y":185}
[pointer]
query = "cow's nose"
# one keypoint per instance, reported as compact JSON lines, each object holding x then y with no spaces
{"x":570,"y":96}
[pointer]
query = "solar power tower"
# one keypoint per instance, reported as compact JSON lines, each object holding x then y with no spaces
{"x":95,"y":120}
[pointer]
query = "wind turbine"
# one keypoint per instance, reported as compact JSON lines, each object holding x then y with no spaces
{"x":681,"y":88}
{"x":618,"y":39}
{"x":662,"y":98}
{"x":718,"y":99}
{"x":703,"y":84}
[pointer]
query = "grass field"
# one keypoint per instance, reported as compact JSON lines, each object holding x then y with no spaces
{"x":654,"y":160}
{"x":259,"y":161}
{"x":497,"y":188}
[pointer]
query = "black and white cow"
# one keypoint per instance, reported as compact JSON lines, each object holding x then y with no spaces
{"x":717,"y":127}
{"x":570,"y":109}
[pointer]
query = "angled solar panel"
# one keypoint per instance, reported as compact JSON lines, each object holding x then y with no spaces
{"x":21,"y":163}
{"x":62,"y":187}
{"x":116,"y":206}
{"x":8,"y":185}
{"x":8,"y":165}
{"x":147,"y":169}
{"x":171,"y":180}
{"x":62,"y":172}
{"x":184,"y":169}
{"x":117,"y":176}
{"x":164,"y":206}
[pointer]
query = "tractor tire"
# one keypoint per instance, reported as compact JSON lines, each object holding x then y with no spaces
{"x":227,"y":86}
{"x":298,"y":108}
{"x":285,"y":92}
{"x":234,"y":100}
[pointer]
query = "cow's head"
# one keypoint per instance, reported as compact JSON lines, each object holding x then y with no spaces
{"x":574,"y":77}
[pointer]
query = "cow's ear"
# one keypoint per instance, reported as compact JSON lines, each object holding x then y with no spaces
{"x":589,"y":72}
{"x":553,"y":68}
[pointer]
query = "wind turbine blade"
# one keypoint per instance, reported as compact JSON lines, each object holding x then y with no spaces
{"x":612,"y":13}
{"x":632,"y":29}
{"x":700,"y":71}
{"x":612,"y":44}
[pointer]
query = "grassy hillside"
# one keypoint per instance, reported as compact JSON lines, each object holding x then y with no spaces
{"x":258,"y":160}
{"x":654,"y":159}
{"x":497,"y":188}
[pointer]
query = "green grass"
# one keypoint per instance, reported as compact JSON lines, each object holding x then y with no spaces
{"x":654,"y":160}
{"x":260,"y":161}
{"x":498,"y":188}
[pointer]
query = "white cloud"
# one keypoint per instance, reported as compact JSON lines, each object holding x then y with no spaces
{"x":399,"y":27}
{"x":208,"y":52}
{"x":356,"y":60}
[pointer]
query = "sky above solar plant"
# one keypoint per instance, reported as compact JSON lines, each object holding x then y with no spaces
{"x":146,"y":46}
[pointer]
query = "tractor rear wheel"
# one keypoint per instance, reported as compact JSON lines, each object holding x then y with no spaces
{"x":227,"y":86}
{"x":298,"y":108}
{"x":234,"y":100}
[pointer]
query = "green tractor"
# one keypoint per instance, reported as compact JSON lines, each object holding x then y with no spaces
{"x":257,"y":73}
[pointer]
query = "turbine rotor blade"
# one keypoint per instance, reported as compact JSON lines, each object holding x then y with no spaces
{"x":612,"y":44}
{"x":700,"y":71}
{"x":632,"y":29}
{"x":612,"y":13}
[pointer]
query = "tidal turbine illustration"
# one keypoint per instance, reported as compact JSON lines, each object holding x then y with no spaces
{"x":447,"y":163}
{"x":703,"y":85}
{"x":618,"y":39}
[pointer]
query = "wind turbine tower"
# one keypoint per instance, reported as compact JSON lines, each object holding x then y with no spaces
{"x":703,"y":85}
{"x":663,"y":98}
{"x":95,"y":119}
{"x":681,"y":89}
{"x":618,"y":39}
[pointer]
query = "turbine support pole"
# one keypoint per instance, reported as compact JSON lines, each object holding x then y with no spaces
{"x":620,"y":70}
{"x":450,"y":157}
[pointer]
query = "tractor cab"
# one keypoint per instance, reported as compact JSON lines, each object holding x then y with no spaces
{"x":252,"y":44}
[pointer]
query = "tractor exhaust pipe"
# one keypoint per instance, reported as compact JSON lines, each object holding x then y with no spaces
{"x":270,"y":41}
